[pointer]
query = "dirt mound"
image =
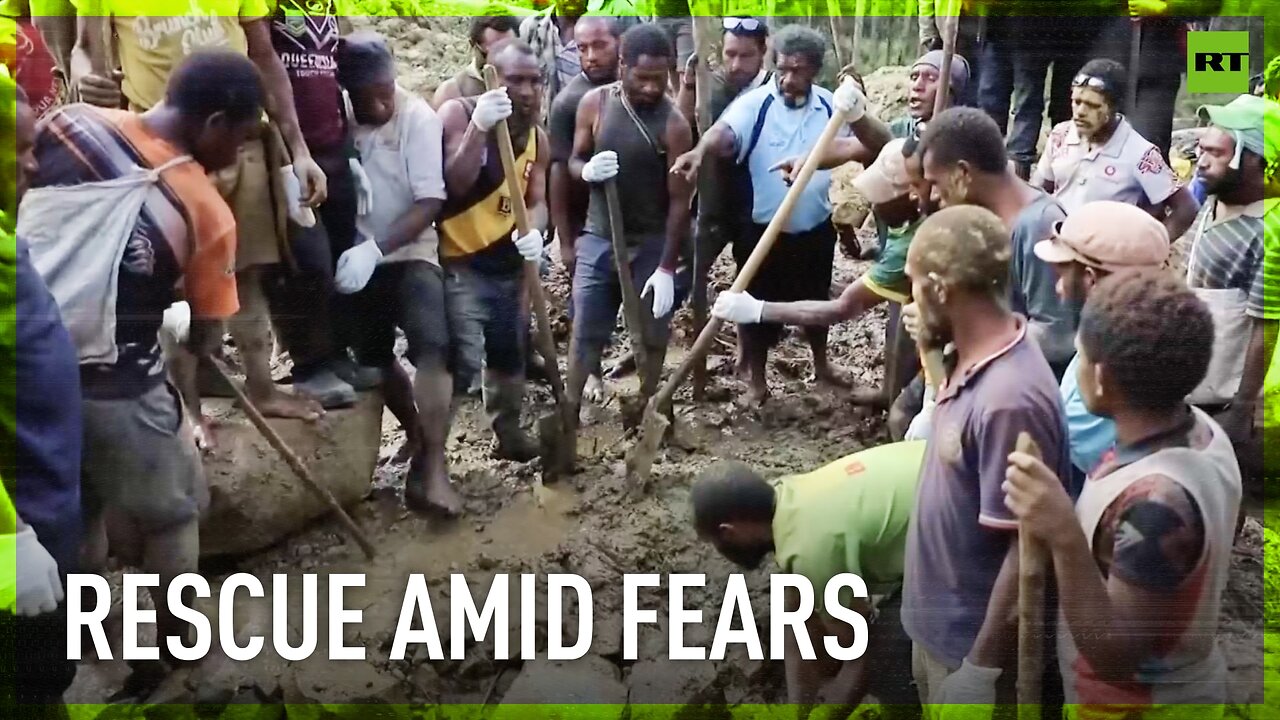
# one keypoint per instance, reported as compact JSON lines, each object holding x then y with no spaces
{"x":255,"y":500}
{"x":428,"y":50}
{"x":887,"y":90}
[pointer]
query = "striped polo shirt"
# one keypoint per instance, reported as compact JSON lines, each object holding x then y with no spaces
{"x":1229,"y":252}
{"x":185,"y":235}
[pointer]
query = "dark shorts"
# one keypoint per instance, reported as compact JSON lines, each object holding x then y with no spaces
{"x":408,"y":295}
{"x":489,"y":323}
{"x":37,"y":671}
{"x":597,"y":294}
{"x":798,"y":266}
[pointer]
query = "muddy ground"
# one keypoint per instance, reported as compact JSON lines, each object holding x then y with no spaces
{"x":586,"y":525}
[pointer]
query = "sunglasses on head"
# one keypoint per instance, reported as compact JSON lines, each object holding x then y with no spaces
{"x":747,"y":24}
{"x":1091,"y":82}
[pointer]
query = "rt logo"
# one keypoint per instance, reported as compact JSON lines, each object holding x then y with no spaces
{"x":1218,"y":62}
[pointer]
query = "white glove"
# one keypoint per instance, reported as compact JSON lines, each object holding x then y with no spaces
{"x":911,"y":320}
{"x":922,"y":424}
{"x":356,"y":266}
{"x":850,"y":100}
{"x":491,"y":108}
{"x":299,"y":213}
{"x":530,"y":245}
{"x":177,"y":321}
{"x":970,"y":685}
{"x":601,"y":167}
{"x":663,"y":285}
{"x":738,"y":307}
{"x":38,"y":588}
{"x":364,"y":189}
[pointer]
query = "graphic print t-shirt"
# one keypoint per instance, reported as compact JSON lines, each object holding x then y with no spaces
{"x":305,"y":36}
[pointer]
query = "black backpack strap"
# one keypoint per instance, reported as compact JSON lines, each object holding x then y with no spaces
{"x":759,"y":126}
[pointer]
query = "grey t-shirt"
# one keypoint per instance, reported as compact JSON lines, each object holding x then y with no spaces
{"x":1032,"y":281}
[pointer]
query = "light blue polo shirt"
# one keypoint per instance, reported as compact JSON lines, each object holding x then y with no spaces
{"x":1090,"y":436}
{"x":783,"y":133}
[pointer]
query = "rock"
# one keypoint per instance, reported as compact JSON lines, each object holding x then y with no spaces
{"x":673,"y":682}
{"x":588,"y":680}
{"x":256,"y":501}
{"x":317,"y":680}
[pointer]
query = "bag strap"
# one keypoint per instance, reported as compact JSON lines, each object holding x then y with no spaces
{"x":761,"y":115}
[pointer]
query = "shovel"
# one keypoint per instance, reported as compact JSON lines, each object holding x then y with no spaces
{"x":655,"y":424}
{"x":557,"y":436}
{"x":632,"y":310}
{"x":1033,"y":564}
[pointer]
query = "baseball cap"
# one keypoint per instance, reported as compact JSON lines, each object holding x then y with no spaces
{"x":959,"y":68}
{"x":1109,"y":236}
{"x":1253,"y":120}
{"x":886,"y":178}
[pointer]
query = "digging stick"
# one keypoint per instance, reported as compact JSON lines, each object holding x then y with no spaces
{"x":291,"y":458}
{"x":632,"y":310}
{"x":562,"y":443}
{"x":948,"y":56}
{"x":655,"y":424}
{"x":1033,"y":561}
{"x":1135,"y":60}
{"x":702,"y":113}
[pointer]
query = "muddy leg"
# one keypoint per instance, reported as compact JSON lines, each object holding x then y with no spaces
{"x":755,"y":356}
{"x":433,"y":390}
{"x":397,"y":390}
{"x":251,"y":329}
{"x":170,"y":553}
{"x":823,"y":373}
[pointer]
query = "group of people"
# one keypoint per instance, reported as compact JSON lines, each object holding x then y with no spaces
{"x":263,"y":170}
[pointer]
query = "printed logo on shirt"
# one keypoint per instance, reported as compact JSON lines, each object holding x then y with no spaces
{"x":949,"y":444}
{"x":504,"y":205}
{"x":854,"y":468}
{"x":1218,"y":62}
{"x":198,"y":29}
{"x":1152,"y":163}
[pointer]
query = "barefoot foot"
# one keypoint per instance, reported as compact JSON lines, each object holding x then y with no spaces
{"x":279,"y":404}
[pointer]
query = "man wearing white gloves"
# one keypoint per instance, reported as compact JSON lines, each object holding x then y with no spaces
{"x":483,"y":252}
{"x":394,"y":270}
{"x":631,"y":125}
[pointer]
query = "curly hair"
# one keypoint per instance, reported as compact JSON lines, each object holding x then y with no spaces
{"x":968,"y":134}
{"x":802,"y":41}
{"x":1152,"y":333}
{"x":646,"y":39}
{"x":728,"y":491}
{"x":966,"y":247}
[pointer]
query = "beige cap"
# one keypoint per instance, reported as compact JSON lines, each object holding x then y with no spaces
{"x":887,"y":177}
{"x":1109,"y":236}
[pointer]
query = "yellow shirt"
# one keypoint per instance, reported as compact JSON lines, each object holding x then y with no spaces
{"x":154,"y":36}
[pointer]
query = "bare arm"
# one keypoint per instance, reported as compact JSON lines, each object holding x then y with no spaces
{"x":1177,"y":213}
{"x":1262,"y":345}
{"x":535,"y":195}
{"x":679,"y":191}
{"x":59,"y":33}
{"x":849,"y":685}
{"x":447,"y":91}
{"x":464,"y":145}
{"x":91,"y":71}
{"x":687,"y":98}
{"x":584,"y":141}
{"x":562,"y":189}
{"x":275,"y":81}
{"x":998,"y":635}
{"x":855,"y":300}
{"x":410,"y":225}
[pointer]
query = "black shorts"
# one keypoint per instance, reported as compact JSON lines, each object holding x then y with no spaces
{"x":408,"y":295}
{"x":798,"y":266}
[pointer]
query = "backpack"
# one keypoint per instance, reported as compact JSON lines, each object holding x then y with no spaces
{"x":77,"y":236}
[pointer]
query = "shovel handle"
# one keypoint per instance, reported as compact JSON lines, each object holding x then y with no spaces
{"x":748,"y":272}
{"x":631,"y":307}
{"x":532,"y":280}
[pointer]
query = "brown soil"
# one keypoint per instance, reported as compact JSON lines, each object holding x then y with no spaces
{"x":586,"y":525}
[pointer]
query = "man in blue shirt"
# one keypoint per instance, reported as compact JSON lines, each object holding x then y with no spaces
{"x":761,"y":129}
{"x":1100,"y":238}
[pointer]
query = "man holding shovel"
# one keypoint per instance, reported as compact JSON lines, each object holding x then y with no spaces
{"x":633,"y":125}
{"x":960,"y":586}
{"x":483,"y":254}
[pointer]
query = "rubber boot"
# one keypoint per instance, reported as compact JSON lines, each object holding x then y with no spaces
{"x":503,"y":398}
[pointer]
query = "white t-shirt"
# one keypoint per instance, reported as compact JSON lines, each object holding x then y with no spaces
{"x":404,"y":160}
{"x":1127,"y":169}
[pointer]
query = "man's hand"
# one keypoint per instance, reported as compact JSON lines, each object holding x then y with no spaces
{"x":491,"y":108}
{"x":301,"y":214}
{"x":911,"y":320}
{"x":789,"y":167}
{"x":971,"y":686}
{"x":602,"y":166}
{"x":921,"y":426}
{"x":738,"y":307}
{"x":38,"y":588}
{"x":1237,"y":422}
{"x":568,"y":258}
{"x":850,"y":100}
{"x":356,"y":266}
{"x":101,"y":91}
{"x":691,"y":70}
{"x":364,"y":189}
{"x":529,"y":245}
{"x":315,"y":187}
{"x":1036,"y":496}
{"x":662,"y":284}
{"x":202,"y":429}
{"x":687,"y":165}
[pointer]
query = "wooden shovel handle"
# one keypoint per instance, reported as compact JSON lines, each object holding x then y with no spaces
{"x":532,"y":280}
